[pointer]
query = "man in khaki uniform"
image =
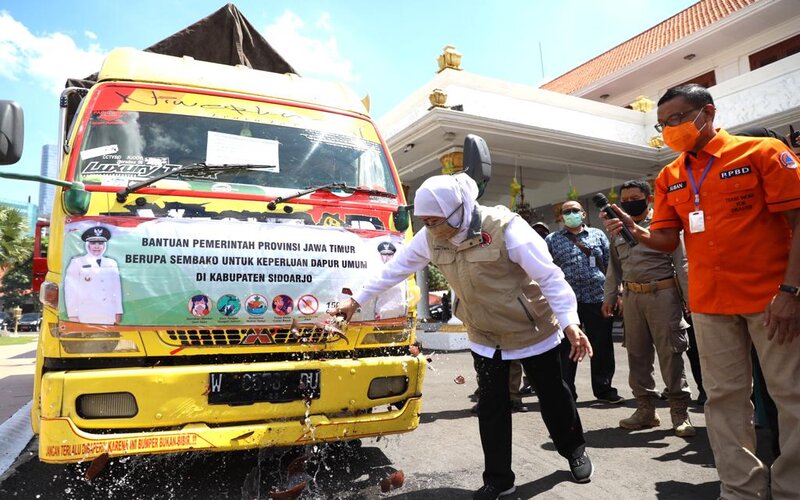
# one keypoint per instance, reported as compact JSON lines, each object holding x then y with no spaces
{"x":653,"y":317}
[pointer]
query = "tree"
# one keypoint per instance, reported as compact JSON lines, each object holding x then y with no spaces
{"x":16,"y":282}
{"x":13,"y":233}
{"x":436,"y":280}
{"x":16,"y":257}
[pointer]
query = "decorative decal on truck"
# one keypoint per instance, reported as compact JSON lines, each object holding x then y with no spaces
{"x":173,"y":272}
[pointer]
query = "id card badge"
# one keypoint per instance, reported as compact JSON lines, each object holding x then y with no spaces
{"x":697,"y":223}
{"x":592,"y":261}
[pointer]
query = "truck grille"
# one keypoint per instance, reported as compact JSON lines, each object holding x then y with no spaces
{"x":247,"y":336}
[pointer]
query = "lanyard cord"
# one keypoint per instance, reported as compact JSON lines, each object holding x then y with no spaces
{"x":696,"y":185}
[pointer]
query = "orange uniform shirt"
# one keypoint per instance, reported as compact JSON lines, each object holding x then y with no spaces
{"x":737,"y":263}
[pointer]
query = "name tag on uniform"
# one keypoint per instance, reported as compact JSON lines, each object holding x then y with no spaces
{"x":592,"y":261}
{"x":697,"y":223}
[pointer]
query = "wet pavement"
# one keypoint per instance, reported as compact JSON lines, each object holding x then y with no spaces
{"x":440,"y":460}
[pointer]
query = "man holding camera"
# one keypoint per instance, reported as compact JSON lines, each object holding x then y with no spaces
{"x":653,"y":313}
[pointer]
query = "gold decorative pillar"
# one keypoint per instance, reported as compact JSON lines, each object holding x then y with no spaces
{"x":452,"y":163}
{"x":656,"y":142}
{"x":449,"y":59}
{"x":643,"y":104}
{"x":437,"y":98}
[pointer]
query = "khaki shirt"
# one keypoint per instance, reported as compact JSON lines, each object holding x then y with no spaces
{"x":498,"y":302}
{"x":641,"y":264}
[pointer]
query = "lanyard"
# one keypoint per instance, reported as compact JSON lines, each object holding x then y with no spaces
{"x":696,"y":185}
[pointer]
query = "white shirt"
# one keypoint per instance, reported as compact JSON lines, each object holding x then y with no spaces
{"x":92,"y":290}
{"x":525,"y":248}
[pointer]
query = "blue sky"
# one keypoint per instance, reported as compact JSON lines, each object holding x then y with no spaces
{"x":381,"y":48}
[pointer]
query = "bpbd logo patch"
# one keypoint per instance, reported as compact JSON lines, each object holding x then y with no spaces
{"x":787,"y":160}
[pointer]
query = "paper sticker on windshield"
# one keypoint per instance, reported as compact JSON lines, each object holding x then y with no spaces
{"x":229,"y":149}
{"x":102,"y":150}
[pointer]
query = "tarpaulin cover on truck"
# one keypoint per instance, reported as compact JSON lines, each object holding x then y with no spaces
{"x":224,"y":37}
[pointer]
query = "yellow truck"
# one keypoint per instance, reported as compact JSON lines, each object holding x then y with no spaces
{"x":206,"y":216}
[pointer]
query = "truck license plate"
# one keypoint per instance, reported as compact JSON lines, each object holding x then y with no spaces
{"x":244,"y":388}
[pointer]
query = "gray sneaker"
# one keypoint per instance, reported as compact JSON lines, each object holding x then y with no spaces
{"x":581,"y":468}
{"x":489,"y":492}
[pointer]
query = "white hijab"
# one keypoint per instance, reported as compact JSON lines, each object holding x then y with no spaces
{"x":440,"y":195}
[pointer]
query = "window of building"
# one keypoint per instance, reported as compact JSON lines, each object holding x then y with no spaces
{"x":775,"y":53}
{"x":706,"y":80}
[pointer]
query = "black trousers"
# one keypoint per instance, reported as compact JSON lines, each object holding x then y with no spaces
{"x":558,"y":410}
{"x":693,"y":355}
{"x":598,"y":328}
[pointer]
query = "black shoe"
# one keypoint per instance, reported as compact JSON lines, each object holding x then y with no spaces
{"x":518,"y":406}
{"x":527,"y":390}
{"x":489,"y":492}
{"x":614,"y":399}
{"x":473,"y":397}
{"x":581,"y":468}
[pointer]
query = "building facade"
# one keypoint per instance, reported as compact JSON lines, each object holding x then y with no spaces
{"x":49,"y":168}
{"x":592,"y":128}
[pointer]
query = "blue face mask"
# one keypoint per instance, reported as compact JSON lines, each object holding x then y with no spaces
{"x":573,"y":220}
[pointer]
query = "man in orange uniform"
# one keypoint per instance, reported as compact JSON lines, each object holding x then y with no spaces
{"x":738,"y":201}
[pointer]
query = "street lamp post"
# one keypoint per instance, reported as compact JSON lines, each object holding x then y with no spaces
{"x":17,"y":312}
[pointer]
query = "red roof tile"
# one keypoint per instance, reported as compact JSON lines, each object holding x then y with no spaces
{"x":694,"y":18}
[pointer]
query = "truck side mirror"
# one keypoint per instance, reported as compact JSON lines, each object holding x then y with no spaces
{"x":477,"y":161}
{"x":12,"y":132}
{"x":402,"y":218}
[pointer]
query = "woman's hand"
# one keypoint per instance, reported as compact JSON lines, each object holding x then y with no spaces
{"x":579,"y":343}
{"x":346,"y":308}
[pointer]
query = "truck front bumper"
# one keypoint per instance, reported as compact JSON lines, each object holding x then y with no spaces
{"x":173,"y":412}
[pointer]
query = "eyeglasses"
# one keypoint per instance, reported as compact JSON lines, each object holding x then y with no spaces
{"x":439,"y":223}
{"x":571,"y":211}
{"x":673,"y":120}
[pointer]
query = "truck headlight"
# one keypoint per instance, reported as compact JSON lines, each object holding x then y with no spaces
{"x":107,"y":405}
{"x":96,"y":343}
{"x":385,"y":387}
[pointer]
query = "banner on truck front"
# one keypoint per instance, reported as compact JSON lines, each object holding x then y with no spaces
{"x":189,"y":272}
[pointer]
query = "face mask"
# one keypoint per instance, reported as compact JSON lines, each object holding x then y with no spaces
{"x":573,"y":220}
{"x":683,"y":137}
{"x":443,"y":231}
{"x":634,"y":208}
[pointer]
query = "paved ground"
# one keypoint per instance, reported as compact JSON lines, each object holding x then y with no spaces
{"x":441,"y":460}
{"x":16,"y":376}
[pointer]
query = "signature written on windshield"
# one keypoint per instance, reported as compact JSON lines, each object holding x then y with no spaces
{"x":155,"y":99}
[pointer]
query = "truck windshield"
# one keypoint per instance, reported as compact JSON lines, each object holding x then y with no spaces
{"x":133,"y":136}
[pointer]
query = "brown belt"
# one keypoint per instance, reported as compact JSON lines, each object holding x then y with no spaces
{"x":651,"y":286}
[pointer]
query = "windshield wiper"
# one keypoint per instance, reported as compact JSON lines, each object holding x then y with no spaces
{"x":122,"y":194}
{"x":333,"y":186}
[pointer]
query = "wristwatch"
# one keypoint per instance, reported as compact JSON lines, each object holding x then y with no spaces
{"x":791,"y":290}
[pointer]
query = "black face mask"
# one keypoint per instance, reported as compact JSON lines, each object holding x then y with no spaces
{"x":634,"y":208}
